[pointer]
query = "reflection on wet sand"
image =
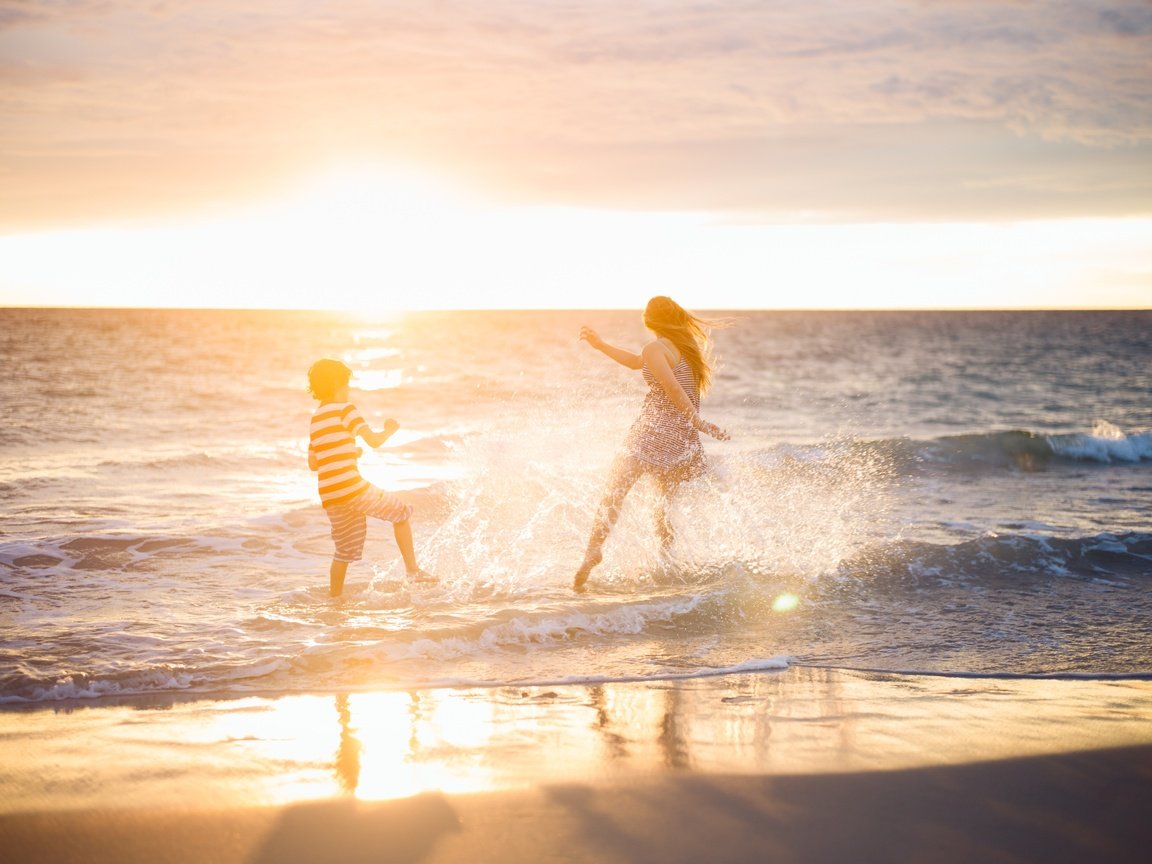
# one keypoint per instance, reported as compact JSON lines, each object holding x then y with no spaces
{"x":391,"y":745}
{"x":348,"y":754}
{"x":673,"y":740}
{"x":376,"y":746}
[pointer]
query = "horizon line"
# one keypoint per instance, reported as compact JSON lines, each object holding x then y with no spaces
{"x":400,"y":311}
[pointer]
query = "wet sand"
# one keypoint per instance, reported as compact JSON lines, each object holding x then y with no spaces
{"x":800,"y":765}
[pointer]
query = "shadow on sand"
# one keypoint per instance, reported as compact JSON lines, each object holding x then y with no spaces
{"x":353,"y":832}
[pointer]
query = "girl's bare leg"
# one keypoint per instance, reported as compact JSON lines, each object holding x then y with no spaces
{"x":625,"y":472}
{"x":667,"y":483}
{"x":666,"y":488}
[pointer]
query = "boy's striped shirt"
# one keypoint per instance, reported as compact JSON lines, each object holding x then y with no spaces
{"x":332,"y":438}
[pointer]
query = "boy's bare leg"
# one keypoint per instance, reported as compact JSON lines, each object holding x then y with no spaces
{"x":403,"y":534}
{"x":336,"y":577}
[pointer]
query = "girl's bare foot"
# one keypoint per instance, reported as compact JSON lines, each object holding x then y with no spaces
{"x":590,"y":561}
{"x":422,"y":576}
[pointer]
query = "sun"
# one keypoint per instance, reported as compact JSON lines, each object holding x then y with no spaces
{"x":368,"y":240}
{"x":386,"y":240}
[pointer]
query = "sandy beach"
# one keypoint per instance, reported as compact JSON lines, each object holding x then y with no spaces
{"x":797,"y":765}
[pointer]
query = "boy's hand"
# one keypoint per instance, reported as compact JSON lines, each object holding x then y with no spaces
{"x":377,"y":439}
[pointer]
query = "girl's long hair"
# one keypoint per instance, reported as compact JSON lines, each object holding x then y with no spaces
{"x":689,"y":333}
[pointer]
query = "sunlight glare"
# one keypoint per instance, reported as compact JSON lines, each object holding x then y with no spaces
{"x":785,"y":603}
{"x":373,"y":240}
{"x":399,"y":732}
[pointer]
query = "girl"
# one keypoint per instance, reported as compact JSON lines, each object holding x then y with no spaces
{"x":664,"y":441}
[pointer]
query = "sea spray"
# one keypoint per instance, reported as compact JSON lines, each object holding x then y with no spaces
{"x":777,"y":514}
{"x":520,"y":515}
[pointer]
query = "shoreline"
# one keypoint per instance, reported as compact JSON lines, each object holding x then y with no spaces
{"x":799,"y":764}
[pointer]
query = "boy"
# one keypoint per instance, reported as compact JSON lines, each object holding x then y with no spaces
{"x":347,"y":497}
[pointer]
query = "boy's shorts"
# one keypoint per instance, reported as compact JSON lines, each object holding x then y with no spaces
{"x":350,"y":523}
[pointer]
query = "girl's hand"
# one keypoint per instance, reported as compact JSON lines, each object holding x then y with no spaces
{"x":710,"y":428}
{"x":716,"y":432}
{"x":390,"y":426}
{"x":590,"y":336}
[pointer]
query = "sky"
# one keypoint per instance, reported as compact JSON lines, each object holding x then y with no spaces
{"x":390,"y":154}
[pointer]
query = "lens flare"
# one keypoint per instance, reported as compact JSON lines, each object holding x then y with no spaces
{"x":785,"y":603}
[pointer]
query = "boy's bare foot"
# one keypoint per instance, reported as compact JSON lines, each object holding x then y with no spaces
{"x":585,"y":570}
{"x":422,"y":576}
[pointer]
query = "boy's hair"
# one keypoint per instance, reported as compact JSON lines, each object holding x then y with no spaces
{"x":325,"y":377}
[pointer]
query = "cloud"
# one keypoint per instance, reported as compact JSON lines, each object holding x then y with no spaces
{"x":832,"y":108}
{"x":1133,"y":21}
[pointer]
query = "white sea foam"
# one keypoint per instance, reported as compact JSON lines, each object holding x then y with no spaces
{"x":81,"y":687}
{"x":1106,"y":443}
{"x":529,"y":630}
{"x":769,"y":664}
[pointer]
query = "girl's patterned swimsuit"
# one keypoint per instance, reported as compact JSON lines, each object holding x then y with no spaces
{"x":662,"y":436}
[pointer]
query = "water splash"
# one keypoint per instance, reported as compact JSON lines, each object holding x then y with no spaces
{"x":519,"y":518}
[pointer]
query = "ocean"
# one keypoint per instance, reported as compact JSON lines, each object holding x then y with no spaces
{"x":955,"y":493}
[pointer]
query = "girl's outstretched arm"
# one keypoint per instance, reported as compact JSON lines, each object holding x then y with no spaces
{"x":624,"y":358}
{"x":657,"y":359}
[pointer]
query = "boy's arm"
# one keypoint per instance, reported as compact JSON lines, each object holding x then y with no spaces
{"x":356,"y":425}
{"x":375,"y":439}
